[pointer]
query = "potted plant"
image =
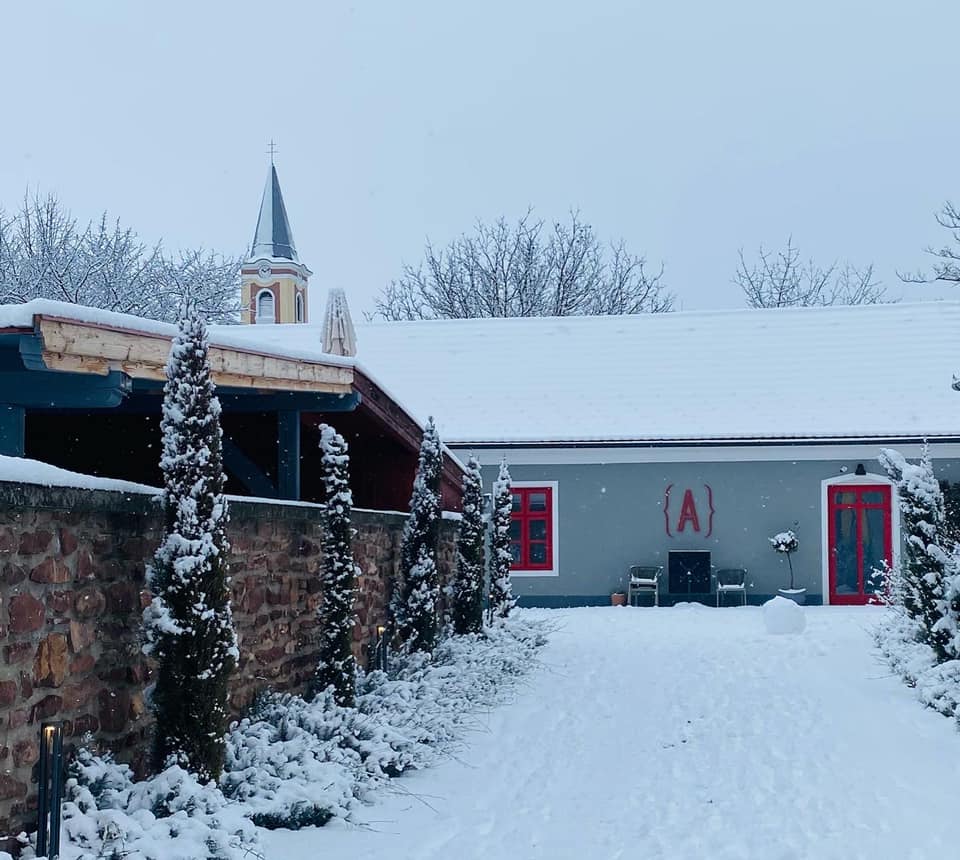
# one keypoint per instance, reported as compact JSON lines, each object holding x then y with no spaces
{"x":787,"y":543}
{"x":618,"y":598}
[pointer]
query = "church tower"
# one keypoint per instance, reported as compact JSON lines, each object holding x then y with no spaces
{"x":273,"y":280}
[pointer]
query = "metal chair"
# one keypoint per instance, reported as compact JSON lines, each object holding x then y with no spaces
{"x":643,"y":580}
{"x":732,"y":580}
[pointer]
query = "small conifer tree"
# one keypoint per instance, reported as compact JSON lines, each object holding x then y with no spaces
{"x":337,"y":669}
{"x":415,"y":601}
{"x":188,"y":627}
{"x":468,"y":584}
{"x":928,"y":562}
{"x":502,"y":600}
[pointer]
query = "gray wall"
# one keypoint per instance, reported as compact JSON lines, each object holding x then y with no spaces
{"x":611,"y":516}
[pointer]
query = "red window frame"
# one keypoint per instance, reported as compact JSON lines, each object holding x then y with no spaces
{"x":524,"y":516}
{"x":857,"y":505}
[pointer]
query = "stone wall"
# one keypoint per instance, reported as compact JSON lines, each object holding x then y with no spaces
{"x":72,"y":589}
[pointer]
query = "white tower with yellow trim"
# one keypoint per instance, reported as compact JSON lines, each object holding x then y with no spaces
{"x":273,"y":280}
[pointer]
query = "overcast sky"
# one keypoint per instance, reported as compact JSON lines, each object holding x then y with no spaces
{"x":690,"y":129}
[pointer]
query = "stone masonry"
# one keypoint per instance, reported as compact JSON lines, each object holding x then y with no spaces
{"x":72,"y":589}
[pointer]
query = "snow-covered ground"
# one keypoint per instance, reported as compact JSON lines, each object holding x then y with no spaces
{"x":681,"y":733}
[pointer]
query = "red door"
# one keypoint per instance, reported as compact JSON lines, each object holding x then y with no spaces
{"x":860,"y":536}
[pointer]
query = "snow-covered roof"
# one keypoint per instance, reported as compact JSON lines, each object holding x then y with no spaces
{"x":231,"y":336}
{"x":868,"y":371}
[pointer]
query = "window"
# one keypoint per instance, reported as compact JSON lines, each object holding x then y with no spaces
{"x":532,"y":528}
{"x":300,"y":314}
{"x":266,"y":312}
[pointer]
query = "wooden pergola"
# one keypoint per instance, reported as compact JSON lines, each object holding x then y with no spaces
{"x":87,"y":396}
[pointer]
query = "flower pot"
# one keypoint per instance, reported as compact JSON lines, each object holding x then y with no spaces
{"x":618,"y":598}
{"x":797,"y":595}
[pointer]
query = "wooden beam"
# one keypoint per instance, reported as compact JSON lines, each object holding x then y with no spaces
{"x":87,"y":348}
{"x":241,"y":467}
{"x":45,"y":389}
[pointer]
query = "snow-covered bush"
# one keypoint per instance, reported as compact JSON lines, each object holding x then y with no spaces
{"x":296,"y":763}
{"x":501,"y":557}
{"x":949,"y":624}
{"x":467,"y":587}
{"x":336,"y":668}
{"x":930,"y":585}
{"x":905,"y":643}
{"x":292,"y":762}
{"x":188,"y":626}
{"x":900,"y":640}
{"x":284,"y":762}
{"x":171,"y":816}
{"x":786,"y":543}
{"x":416,"y":598}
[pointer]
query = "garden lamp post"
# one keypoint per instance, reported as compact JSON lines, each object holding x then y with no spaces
{"x":380,"y":649}
{"x":50,"y":792}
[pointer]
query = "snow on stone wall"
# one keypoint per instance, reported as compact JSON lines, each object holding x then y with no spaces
{"x":72,"y":590}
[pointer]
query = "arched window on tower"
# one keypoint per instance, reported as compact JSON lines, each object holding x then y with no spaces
{"x":266,"y":309}
{"x":301,"y":316}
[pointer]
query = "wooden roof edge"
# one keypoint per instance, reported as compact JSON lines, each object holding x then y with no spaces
{"x":39,"y":318}
{"x":374,"y":397}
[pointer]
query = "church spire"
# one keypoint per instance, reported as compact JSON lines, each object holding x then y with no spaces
{"x":273,"y":281}
{"x":273,"y":238}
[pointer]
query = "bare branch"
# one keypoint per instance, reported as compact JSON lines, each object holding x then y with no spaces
{"x":45,"y":254}
{"x":783,"y":280}
{"x":946,"y":266}
{"x":522,"y":270}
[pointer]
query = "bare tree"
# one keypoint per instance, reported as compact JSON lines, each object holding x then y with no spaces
{"x":946,"y":267}
{"x":45,"y":253}
{"x":784,"y":280}
{"x":525,"y":269}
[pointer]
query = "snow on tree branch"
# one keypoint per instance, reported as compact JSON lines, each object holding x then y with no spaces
{"x":46,"y":253}
{"x":468,"y":580}
{"x":502,"y":600}
{"x":929,"y":576}
{"x":416,"y":597}
{"x":336,"y":669}
{"x":189,"y":627}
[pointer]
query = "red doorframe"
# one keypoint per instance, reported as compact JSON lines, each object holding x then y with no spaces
{"x":857,"y":505}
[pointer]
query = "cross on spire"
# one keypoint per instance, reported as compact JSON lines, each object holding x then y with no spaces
{"x":271,"y":150}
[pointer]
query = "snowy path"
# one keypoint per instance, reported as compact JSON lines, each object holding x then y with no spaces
{"x":682,"y":733}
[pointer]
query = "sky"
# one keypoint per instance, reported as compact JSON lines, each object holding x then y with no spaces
{"x":688,"y":129}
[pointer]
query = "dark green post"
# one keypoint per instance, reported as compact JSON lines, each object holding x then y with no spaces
{"x":12,"y":437}
{"x":288,"y":454}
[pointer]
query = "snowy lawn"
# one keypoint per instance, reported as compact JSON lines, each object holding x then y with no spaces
{"x":686,"y":732}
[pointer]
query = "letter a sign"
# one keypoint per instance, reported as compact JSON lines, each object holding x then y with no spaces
{"x":693,"y":516}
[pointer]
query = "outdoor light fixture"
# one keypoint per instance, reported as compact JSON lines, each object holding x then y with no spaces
{"x":860,"y":470}
{"x":380,"y":656}
{"x":50,"y":790}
